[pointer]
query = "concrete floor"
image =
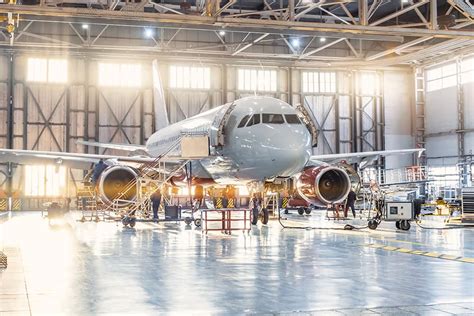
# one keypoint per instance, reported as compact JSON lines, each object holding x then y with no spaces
{"x":93,"y":268}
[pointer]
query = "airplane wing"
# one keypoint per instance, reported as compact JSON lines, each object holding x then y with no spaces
{"x":124,"y":147}
{"x":73,"y":160}
{"x":364,"y":157}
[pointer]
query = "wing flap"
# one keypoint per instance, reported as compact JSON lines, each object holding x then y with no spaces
{"x":368,"y":155}
{"x":124,"y":147}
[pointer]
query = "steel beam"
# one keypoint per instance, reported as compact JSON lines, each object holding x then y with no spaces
{"x":251,"y":25}
{"x":250,"y":44}
{"x":398,"y":13}
{"x":399,"y":48}
{"x":314,"y":51}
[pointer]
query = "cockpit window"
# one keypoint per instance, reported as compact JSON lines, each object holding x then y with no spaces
{"x":244,"y":121}
{"x":254,"y":120}
{"x":273,"y":118}
{"x":292,"y":119}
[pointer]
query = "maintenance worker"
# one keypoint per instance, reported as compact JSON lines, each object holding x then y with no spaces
{"x":417,"y":203}
{"x":198,"y":196}
{"x":155,"y":199}
{"x":98,"y":168}
{"x":351,"y":198}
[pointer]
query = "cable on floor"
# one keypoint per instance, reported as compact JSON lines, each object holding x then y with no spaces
{"x":346,"y":227}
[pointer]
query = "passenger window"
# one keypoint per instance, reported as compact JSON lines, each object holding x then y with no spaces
{"x":244,"y":121}
{"x":254,"y":120}
{"x":292,"y":119}
{"x":273,"y":119}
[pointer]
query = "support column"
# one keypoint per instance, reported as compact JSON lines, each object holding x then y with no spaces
{"x":291,"y":10}
{"x":433,"y":14}
{"x":461,"y":133}
{"x":363,"y":8}
{"x":10,"y":129}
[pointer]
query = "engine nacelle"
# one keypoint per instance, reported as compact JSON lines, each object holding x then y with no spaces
{"x":118,"y":182}
{"x":323,"y":185}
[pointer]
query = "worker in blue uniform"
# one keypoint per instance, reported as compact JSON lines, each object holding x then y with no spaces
{"x":155,"y":199}
{"x":350,"y":203}
{"x":98,"y":169}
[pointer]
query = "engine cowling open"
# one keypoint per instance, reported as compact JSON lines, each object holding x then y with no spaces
{"x":323,"y":185}
{"x":118,"y":183}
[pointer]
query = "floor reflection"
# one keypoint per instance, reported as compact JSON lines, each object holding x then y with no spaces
{"x":88,"y":268}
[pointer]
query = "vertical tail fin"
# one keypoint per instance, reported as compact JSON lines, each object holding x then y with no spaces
{"x":159,"y":101}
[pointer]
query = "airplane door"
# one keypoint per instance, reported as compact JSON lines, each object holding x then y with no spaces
{"x":216,"y":132}
{"x":307,"y":117}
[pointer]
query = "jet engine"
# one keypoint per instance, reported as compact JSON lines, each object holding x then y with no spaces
{"x":118,"y":183}
{"x":323,"y":185}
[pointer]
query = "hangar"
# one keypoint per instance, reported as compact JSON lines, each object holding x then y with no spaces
{"x":236,"y":157}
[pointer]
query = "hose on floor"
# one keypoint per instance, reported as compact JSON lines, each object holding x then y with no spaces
{"x":346,"y":227}
{"x":440,"y":228}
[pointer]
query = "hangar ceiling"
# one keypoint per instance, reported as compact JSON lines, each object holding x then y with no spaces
{"x":342,"y":33}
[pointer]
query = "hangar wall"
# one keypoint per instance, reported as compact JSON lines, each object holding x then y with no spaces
{"x":53,"y":116}
{"x":449,"y":116}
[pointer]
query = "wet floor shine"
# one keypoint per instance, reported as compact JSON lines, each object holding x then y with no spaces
{"x":91,"y":268}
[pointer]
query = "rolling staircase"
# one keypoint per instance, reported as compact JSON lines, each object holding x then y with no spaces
{"x":151,"y":176}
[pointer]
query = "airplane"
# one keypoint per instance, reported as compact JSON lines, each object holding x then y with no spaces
{"x":255,"y":141}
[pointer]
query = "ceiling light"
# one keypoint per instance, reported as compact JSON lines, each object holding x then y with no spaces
{"x":85,"y":26}
{"x":405,"y":1}
{"x":295,"y":42}
{"x":149,"y":33}
{"x":322,"y":39}
{"x":221,"y":32}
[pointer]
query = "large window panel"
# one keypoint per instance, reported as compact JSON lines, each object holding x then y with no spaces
{"x":467,"y":70}
{"x":318,"y":82}
{"x":47,"y":70}
{"x":441,"y":77}
{"x":257,"y":80}
{"x":120,"y":75}
{"x":189,"y":77}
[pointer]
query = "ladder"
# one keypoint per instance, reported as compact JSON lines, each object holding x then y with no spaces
{"x":151,"y":176}
{"x":420,"y":113}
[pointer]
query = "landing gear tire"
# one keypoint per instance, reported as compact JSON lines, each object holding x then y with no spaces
{"x":132,"y":222}
{"x":125,"y":221}
{"x":397,"y":224}
{"x":286,"y":211}
{"x":301,"y":210}
{"x":307,"y":211}
{"x":265,"y":216}
{"x":372,"y":224}
{"x":197,"y":222}
{"x":254,"y":216}
{"x":405,"y":225}
{"x":188,"y":220}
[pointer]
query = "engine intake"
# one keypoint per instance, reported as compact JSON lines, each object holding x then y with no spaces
{"x":118,"y":182}
{"x":323,"y":185}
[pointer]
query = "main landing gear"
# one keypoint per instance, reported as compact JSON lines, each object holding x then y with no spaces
{"x":262,"y":214}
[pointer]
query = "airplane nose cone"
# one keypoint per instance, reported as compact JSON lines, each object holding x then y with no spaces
{"x":293,"y":150}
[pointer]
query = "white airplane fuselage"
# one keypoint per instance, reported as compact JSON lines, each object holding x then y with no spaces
{"x":263,"y":139}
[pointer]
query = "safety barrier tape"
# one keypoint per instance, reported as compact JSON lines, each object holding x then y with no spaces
{"x":3,"y":204}
{"x":421,"y":253}
{"x":219,"y":203}
{"x":16,"y":204}
{"x":284,"y":203}
{"x":230,"y":203}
